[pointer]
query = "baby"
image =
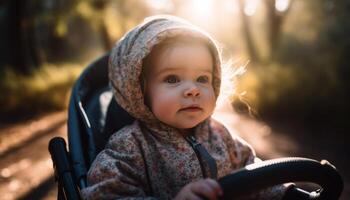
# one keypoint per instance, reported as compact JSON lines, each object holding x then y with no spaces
{"x":166,"y":74}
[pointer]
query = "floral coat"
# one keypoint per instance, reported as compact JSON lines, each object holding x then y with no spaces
{"x":149,"y":159}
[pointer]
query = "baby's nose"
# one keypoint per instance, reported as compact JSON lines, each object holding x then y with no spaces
{"x":192,"y":91}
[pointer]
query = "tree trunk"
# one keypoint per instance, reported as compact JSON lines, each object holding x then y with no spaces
{"x":274,"y":27}
{"x":23,"y":47}
{"x":275,"y":20}
{"x":252,"y":51}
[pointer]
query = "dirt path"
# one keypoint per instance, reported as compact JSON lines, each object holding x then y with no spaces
{"x":25,"y":164}
{"x":26,"y":169}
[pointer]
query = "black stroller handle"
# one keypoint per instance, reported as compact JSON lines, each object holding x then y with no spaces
{"x":59,"y":155}
{"x":268,"y":173}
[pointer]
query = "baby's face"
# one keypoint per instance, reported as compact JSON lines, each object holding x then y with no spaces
{"x":179,"y":85}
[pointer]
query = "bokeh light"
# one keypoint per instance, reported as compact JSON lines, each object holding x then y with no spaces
{"x":282,"y":5}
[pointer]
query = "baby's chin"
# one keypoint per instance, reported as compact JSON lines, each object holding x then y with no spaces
{"x":186,"y":126}
{"x":182,"y":127}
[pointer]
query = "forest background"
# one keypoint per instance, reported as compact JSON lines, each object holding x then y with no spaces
{"x":294,"y":53}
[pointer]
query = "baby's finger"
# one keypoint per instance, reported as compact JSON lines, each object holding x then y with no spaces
{"x":204,"y":189}
{"x":215,"y":185}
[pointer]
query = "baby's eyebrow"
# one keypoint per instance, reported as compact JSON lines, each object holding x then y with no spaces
{"x":207,"y":70}
{"x":167,"y":70}
{"x":173,"y":69}
{"x":162,"y":71}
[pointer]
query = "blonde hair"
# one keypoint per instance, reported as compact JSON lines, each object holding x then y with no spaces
{"x":231,"y":71}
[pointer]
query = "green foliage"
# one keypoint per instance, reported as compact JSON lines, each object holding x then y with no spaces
{"x":46,"y":89}
{"x":307,"y":82}
{"x":76,"y":30}
{"x":57,"y":32}
{"x":276,"y":89}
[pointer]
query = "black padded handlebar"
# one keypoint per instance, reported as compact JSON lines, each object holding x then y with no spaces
{"x":59,"y":155}
{"x":268,"y":173}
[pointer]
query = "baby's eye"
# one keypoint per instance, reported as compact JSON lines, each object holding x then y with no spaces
{"x":203,"y":79}
{"x":172,"y":79}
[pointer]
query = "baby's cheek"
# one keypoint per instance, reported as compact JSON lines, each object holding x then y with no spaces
{"x":210,"y":99}
{"x":164,"y":105}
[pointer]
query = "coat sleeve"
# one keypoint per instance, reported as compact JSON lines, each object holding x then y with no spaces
{"x":118,"y":172}
{"x":242,"y":154}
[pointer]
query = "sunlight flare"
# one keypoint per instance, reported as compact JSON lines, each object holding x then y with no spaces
{"x":282,"y":5}
{"x":230,"y":6}
{"x":250,"y":7}
{"x":202,"y":7}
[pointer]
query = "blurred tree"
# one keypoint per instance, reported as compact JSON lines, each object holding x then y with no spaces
{"x":89,"y":23}
{"x":18,"y":37}
{"x":307,"y":81}
{"x":41,"y":31}
{"x":274,"y":18}
{"x":251,"y":48}
{"x":335,"y":47}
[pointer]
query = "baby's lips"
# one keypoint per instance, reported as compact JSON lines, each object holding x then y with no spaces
{"x":191,"y":108}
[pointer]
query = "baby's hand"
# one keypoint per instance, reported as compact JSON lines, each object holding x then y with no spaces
{"x":205,"y":188}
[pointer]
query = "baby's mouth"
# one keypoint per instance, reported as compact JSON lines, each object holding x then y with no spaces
{"x":193,"y":108}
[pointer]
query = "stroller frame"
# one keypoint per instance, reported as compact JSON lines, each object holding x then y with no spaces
{"x":92,"y":117}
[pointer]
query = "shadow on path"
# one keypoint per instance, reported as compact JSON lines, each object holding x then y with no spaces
{"x":42,"y":191}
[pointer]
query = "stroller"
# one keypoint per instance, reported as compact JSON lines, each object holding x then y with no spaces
{"x":93,"y":116}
